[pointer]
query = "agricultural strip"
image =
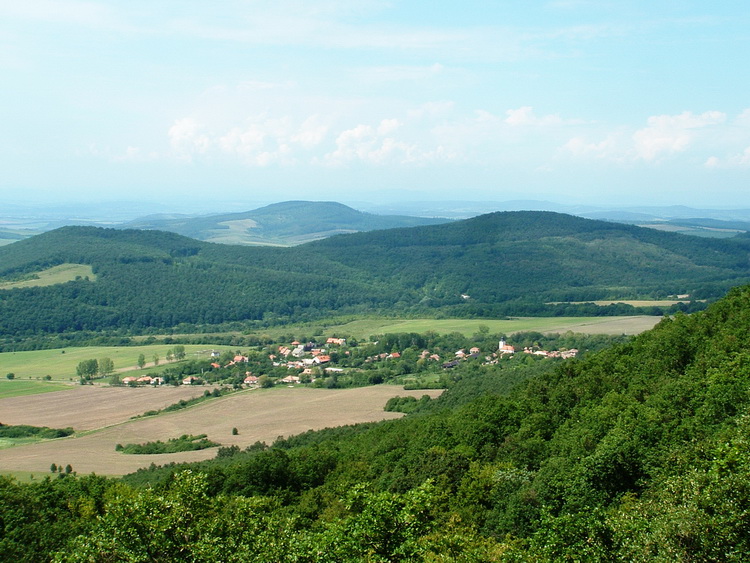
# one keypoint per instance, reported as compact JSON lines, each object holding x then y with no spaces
{"x":88,"y":407}
{"x":18,"y":388}
{"x":589,"y":325}
{"x":62,"y":364}
{"x":258,"y":415}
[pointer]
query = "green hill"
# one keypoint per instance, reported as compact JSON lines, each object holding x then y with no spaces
{"x":280,"y":224}
{"x":509,"y":263}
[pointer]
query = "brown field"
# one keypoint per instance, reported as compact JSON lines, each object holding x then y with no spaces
{"x":258,"y":415}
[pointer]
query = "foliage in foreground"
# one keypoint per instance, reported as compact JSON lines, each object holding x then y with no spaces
{"x":636,"y":453}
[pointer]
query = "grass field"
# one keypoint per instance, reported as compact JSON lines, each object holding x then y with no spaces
{"x":61,"y":365}
{"x":20,"y":388}
{"x":364,"y":328}
{"x":57,"y":274}
{"x":258,"y":415}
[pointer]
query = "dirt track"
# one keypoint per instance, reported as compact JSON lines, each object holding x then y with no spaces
{"x":258,"y":415}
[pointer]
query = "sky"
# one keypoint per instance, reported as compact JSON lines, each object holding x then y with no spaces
{"x":571,"y":101}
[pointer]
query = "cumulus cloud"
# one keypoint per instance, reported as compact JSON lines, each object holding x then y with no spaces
{"x":260,"y":141}
{"x":663,"y":136}
{"x":738,"y":160}
{"x":668,"y":134}
{"x":186,"y":138}
{"x":378,"y":145}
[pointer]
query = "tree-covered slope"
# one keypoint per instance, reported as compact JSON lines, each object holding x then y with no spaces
{"x":287,"y":223}
{"x":501,"y":256}
{"x":492,"y":265}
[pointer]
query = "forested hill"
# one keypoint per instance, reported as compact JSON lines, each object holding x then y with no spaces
{"x":281,"y":224}
{"x":492,"y":265}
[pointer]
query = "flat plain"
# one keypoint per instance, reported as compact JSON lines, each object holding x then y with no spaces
{"x":258,"y":415}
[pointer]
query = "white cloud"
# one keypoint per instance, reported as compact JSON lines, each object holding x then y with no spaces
{"x":186,"y":139}
{"x":738,"y":160}
{"x":311,"y":132}
{"x":378,"y":146}
{"x":668,"y":134}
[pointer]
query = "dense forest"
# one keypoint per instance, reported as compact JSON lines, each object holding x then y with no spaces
{"x":635,"y":453}
{"x":514,"y":263}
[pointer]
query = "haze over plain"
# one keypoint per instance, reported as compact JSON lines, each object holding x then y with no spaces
{"x":189,"y":103}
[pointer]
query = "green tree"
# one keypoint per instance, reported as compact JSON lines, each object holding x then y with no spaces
{"x":87,"y":369}
{"x":179,"y":352}
{"x":156,"y":359}
{"x":265,"y":382}
{"x":11,"y":376}
{"x":106,"y":366}
{"x":141,"y":361}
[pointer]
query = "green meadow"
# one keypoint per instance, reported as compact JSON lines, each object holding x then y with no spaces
{"x":19,"y":387}
{"x":57,"y":274}
{"x":61,"y":365}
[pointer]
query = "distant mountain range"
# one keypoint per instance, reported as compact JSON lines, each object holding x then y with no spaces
{"x":280,"y":224}
{"x":505,"y":263}
{"x":295,"y":222}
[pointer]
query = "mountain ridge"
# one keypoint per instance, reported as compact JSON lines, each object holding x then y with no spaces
{"x":279,"y":224}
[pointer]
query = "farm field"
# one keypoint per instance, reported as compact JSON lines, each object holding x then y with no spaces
{"x":61,"y":364}
{"x":258,"y":415}
{"x":364,"y":328}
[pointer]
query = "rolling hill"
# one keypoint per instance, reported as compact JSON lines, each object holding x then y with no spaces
{"x":280,"y":224}
{"x":508,"y":263}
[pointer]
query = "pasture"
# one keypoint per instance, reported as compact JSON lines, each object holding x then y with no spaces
{"x":20,"y":388}
{"x":258,"y":415}
{"x":61,"y":364}
{"x":51,"y":276}
{"x":364,"y":328}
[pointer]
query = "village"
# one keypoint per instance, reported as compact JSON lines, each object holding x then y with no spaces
{"x":305,"y":363}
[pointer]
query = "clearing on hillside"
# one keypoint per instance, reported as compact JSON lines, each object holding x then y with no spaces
{"x":52,"y":276}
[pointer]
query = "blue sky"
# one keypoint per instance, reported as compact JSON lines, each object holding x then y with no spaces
{"x":574,"y":101}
